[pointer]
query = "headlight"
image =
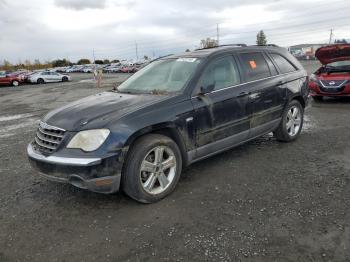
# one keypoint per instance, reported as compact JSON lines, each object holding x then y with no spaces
{"x":89,"y":140}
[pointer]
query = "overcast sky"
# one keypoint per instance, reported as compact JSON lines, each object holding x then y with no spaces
{"x":50,"y":29}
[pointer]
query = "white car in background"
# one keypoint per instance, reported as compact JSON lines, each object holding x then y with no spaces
{"x":48,"y":77}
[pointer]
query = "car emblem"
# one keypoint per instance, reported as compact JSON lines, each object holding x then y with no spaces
{"x":332,"y":83}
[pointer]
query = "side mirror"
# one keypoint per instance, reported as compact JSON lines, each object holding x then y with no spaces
{"x":207,"y":89}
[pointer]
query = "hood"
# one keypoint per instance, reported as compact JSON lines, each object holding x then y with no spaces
{"x":333,"y":53}
{"x":97,"y":110}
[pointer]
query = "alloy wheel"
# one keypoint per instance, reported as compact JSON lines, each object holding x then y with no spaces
{"x":293,"y":121}
{"x":158,"y":170}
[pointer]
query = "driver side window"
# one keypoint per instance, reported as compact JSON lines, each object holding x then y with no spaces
{"x":221,"y":73}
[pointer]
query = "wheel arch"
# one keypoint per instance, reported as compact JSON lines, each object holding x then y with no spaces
{"x":167,"y":129}
{"x":300,"y":99}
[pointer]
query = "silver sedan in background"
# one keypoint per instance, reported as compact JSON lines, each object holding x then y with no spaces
{"x":47,"y":77}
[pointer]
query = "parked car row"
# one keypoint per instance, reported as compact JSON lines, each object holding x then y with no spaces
{"x":38,"y":77}
{"x":107,"y":68}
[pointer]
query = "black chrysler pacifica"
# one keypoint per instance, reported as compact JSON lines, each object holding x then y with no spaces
{"x":175,"y":111}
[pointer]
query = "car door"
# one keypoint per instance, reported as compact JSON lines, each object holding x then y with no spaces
{"x":220,"y":116}
{"x":56,"y":77}
{"x":266,"y":91}
{"x":46,"y":76}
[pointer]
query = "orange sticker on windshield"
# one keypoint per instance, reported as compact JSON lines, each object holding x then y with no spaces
{"x":252,"y":64}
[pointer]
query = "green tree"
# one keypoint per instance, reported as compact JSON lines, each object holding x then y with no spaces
{"x":340,"y":41}
{"x":188,"y":50}
{"x":83,"y":61}
{"x":61,"y":62}
{"x":98,"y":62}
{"x":261,"y":38}
{"x":106,"y":61}
{"x":115,"y":61}
{"x":208,"y":43}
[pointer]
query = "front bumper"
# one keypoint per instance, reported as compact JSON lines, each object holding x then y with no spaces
{"x":101,"y":175}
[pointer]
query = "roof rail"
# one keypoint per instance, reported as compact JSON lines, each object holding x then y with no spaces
{"x":272,"y":45}
{"x":240,"y":45}
{"x":237,"y":45}
{"x":160,"y":57}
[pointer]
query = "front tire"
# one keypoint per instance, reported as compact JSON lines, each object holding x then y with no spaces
{"x":15,"y":83}
{"x":152,"y":169}
{"x":64,"y":79}
{"x":291,"y":123}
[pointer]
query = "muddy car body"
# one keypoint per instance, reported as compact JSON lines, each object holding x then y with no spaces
{"x":216,"y":99}
{"x":333,"y":77}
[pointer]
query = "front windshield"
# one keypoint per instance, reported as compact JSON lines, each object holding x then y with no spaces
{"x":339,"y":63}
{"x":162,"y":76}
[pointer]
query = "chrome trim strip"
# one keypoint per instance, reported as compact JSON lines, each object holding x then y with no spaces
{"x":62,"y":160}
{"x":37,"y":140}
{"x":49,"y":133}
{"x":249,"y":82}
{"x":39,"y":135}
{"x":47,"y":126}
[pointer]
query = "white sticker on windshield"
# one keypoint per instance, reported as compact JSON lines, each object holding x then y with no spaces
{"x":186,"y":59}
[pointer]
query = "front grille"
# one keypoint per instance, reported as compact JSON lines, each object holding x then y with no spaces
{"x":332,"y":83}
{"x":332,"y":90}
{"x":48,"y":138}
{"x":332,"y":86}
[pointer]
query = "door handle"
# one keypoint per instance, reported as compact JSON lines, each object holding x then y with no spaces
{"x":242,"y":94}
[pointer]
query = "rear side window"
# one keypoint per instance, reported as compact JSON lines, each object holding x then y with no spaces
{"x":283,"y":64}
{"x":255,"y":66}
{"x":221,"y":72}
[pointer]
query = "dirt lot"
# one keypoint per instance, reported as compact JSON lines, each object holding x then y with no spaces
{"x":262,"y":201}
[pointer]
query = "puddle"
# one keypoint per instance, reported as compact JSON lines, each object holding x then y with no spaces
{"x":14,"y":117}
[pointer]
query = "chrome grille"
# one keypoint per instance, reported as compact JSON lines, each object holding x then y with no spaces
{"x":48,"y":138}
{"x":333,"y":83}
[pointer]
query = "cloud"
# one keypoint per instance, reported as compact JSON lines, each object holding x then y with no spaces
{"x":72,"y":29}
{"x":81,"y":4}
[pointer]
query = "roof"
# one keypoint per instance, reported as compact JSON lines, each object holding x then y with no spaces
{"x":221,"y":49}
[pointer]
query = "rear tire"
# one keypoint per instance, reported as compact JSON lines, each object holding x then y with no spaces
{"x":291,"y":123}
{"x":15,"y":83}
{"x":152,"y":168}
{"x":40,"y":81}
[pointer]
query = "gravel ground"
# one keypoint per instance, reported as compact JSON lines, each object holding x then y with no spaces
{"x":262,"y":201}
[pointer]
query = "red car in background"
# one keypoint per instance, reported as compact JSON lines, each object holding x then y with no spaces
{"x":333,"y":77}
{"x":10,"y":79}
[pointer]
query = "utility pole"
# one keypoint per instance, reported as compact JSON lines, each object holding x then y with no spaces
{"x":217,"y":34}
{"x":330,"y":36}
{"x":93,"y":54}
{"x":137,"y":52}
